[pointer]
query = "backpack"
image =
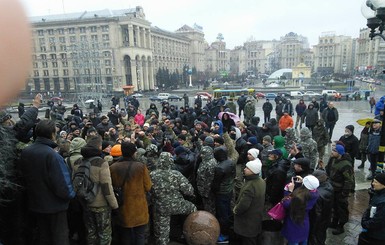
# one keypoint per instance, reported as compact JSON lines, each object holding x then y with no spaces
{"x":84,"y":187}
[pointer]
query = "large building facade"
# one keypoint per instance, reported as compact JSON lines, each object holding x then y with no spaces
{"x":333,"y":54}
{"x":103,"y":51}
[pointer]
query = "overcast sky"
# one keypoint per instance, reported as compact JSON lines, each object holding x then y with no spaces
{"x":238,"y":21}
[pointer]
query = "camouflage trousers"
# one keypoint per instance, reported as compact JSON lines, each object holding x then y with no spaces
{"x":98,"y":225}
{"x":162,"y":220}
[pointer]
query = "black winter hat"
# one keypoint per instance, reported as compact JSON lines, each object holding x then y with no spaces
{"x":350,"y":128}
{"x":380,"y":178}
{"x":303,"y":162}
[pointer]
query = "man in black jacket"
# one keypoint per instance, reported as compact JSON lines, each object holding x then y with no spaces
{"x":48,"y":184}
{"x":267,"y":107}
{"x":222,"y":188}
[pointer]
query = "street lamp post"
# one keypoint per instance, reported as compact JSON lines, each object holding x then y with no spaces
{"x":374,"y":12}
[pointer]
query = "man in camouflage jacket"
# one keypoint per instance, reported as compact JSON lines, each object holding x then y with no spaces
{"x":169,"y":187}
{"x":205,"y":176}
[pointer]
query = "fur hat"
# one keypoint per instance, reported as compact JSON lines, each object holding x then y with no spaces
{"x":310,"y":182}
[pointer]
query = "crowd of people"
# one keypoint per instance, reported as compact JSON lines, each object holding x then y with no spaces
{"x":171,"y":161}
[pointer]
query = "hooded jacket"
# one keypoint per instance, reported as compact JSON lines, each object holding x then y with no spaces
{"x":320,"y":134}
{"x":310,"y":115}
{"x":169,"y":187}
{"x":351,"y":144}
{"x":375,"y":226}
{"x":206,"y":170}
{"x":279,"y":143}
{"x":309,"y":147}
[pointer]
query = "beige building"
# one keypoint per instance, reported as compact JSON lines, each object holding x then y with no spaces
{"x":217,"y":58}
{"x":102,"y":51}
{"x":370,"y":54}
{"x":238,"y":61}
{"x":292,"y":50}
{"x":333,"y":54}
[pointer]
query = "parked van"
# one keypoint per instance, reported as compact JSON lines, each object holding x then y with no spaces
{"x":296,"y":94}
{"x":329,"y":93}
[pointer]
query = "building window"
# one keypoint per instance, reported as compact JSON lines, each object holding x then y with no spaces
{"x":105,"y":37}
{"x":72,"y":39}
{"x":65,"y":72}
{"x":95,"y":45}
{"x":35,"y":65}
{"x":63,"y":48}
{"x":41,"y":41}
{"x":53,"y":56}
{"x":82,"y":29}
{"x":87,"y":71}
{"x":52,"y":40}
{"x":106,"y":45}
{"x":54,"y":64}
{"x":36,"y":73}
{"x":107,"y":62}
{"x":60,"y":31}
{"x":71,"y":30}
{"x":43,"y":56}
{"x":65,"y":63}
{"x":105,"y":28}
{"x":106,"y":53}
{"x":50,"y":32}
{"x":108,"y":71}
{"x":55,"y":72}
{"x":94,"y":38}
{"x":76,"y":72}
{"x":52,"y":48}
{"x":45,"y":65}
{"x":94,"y":29}
{"x":40,"y":32}
{"x":63,"y":56}
{"x":62,"y":39}
{"x":45,"y":73}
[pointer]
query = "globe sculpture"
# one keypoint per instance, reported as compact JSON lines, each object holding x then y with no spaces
{"x":201,"y":228}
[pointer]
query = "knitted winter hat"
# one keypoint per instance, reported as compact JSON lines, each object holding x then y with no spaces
{"x":255,"y":166}
{"x":116,"y":150}
{"x":254,"y":152}
{"x":340,"y":149}
{"x":310,"y":182}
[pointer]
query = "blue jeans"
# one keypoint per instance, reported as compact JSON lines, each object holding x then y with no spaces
{"x":297,"y":243}
{"x":223,"y":209}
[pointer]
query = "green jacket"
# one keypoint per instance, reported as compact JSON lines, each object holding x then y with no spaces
{"x":342,"y":175}
{"x":249,"y":207}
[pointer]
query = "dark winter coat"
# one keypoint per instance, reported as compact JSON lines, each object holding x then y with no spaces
{"x":320,"y":134}
{"x":223,"y":182}
{"x":351,"y":145}
{"x":320,"y":215}
{"x":311,"y":116}
{"x":275,"y":182}
{"x":375,"y":226}
{"x":374,"y":141}
{"x":330,"y":115}
{"x":248,"y":210}
{"x":267,"y":107}
{"x":47,"y":178}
